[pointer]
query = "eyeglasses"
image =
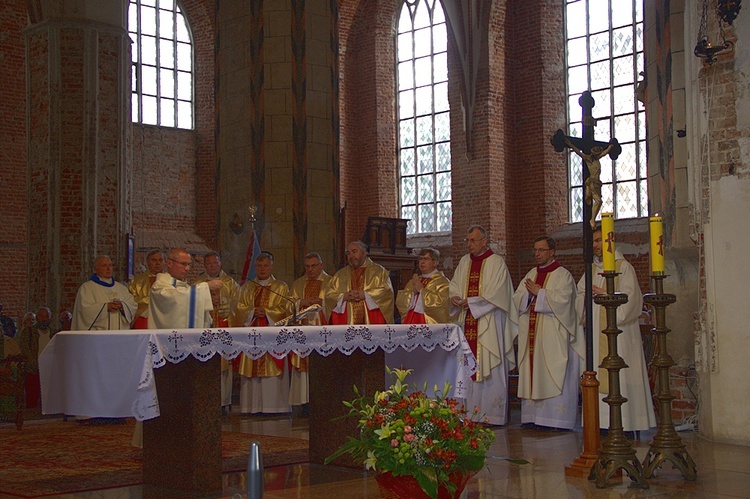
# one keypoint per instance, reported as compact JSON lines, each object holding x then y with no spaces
{"x":541,"y":250}
{"x":184,"y":264}
{"x":472,"y":240}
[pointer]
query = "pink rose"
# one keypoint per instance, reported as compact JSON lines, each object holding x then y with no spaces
{"x":407,"y":429}
{"x":409,"y":437}
{"x":394,"y":443}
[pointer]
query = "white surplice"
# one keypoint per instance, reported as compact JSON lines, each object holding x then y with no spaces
{"x":549,"y":394}
{"x":90,"y":309}
{"x":496,"y":322}
{"x":638,"y":411}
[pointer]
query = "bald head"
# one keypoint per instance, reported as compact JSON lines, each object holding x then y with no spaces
{"x":179,"y":263}
{"x":103,"y":267}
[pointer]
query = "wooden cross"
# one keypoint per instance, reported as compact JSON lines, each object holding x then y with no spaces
{"x":560,"y":142}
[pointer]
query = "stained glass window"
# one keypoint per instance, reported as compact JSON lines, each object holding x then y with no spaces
{"x":162,"y":64}
{"x":604,"y":54}
{"x":423,"y":115}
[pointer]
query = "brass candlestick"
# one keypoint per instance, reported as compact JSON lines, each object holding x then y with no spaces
{"x":667,"y":444}
{"x":616,"y":452}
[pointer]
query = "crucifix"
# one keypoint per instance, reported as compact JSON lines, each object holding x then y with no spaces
{"x":590,"y":151}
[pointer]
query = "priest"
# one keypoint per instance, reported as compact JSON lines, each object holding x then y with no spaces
{"x":424,"y":299}
{"x":481,"y":296}
{"x":221,"y":299}
{"x":140,"y":287}
{"x":638,"y":411}
{"x":175,"y":304}
{"x":103,"y":303}
{"x":550,"y":346}
{"x":307,"y":291}
{"x":361,"y":292}
{"x":261,"y":302}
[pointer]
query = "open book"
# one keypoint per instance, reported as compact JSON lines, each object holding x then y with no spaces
{"x":309,"y":313}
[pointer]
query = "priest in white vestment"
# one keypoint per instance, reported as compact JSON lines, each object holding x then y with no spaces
{"x":264,"y":383}
{"x":550,"y":344}
{"x":481,"y":295}
{"x":175,"y":304}
{"x":103,"y":303}
{"x":638,"y":411}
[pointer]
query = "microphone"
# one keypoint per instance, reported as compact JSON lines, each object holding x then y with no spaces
{"x":294,"y":304}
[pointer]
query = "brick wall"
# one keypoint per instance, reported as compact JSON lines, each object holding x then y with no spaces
{"x":368,"y":128}
{"x":201,"y":16}
{"x":13,"y":199}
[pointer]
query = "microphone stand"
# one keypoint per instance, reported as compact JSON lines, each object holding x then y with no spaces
{"x":294,"y":304}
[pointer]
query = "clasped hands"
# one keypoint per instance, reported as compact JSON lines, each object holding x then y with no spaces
{"x":416,"y":281}
{"x":459,"y":302}
{"x":532,"y":287}
{"x":114,"y":306}
{"x":354,"y":295}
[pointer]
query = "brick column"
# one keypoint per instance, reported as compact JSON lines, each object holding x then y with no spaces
{"x":79,"y":191}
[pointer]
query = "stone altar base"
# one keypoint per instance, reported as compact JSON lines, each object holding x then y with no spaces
{"x":332,"y":379}
{"x":182,"y":447}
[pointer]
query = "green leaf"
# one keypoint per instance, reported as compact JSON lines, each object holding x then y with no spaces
{"x":428,"y":480}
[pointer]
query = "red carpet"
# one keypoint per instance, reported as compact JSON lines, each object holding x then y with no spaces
{"x":57,"y":457}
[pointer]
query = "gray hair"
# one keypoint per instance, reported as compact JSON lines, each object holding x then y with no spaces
{"x":480,"y":229}
{"x":313,"y":254}
{"x":362,"y":246}
{"x":153,"y":252}
{"x":264,"y":255}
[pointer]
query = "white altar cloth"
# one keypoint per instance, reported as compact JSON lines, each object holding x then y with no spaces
{"x":110,"y":373}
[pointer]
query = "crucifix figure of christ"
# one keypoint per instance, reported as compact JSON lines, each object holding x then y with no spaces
{"x":590,"y":151}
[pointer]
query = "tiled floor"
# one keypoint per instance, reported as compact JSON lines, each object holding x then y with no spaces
{"x":723,"y":470}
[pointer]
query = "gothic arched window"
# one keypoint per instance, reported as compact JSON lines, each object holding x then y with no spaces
{"x":423,"y":116}
{"x":604,"y":53}
{"x":162,"y":70}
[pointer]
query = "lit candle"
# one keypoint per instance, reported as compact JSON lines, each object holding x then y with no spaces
{"x":656,"y":228}
{"x":608,"y":241}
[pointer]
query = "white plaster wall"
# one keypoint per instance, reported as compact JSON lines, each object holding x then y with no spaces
{"x":727,"y":239}
{"x":726,"y":400}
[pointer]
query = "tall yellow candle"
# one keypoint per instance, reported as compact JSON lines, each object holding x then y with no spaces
{"x":608,"y":241}
{"x":656,"y":228}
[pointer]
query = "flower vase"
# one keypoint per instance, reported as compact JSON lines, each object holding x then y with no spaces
{"x":407,"y":487}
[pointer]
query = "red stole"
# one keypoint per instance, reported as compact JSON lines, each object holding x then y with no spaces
{"x":541,"y":278}
{"x":412,"y":316}
{"x":140,"y":323}
{"x":261,"y":298}
{"x":360,"y":312}
{"x":471,"y":329}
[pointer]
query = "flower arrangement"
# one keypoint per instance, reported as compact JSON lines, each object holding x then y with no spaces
{"x":430,"y":439}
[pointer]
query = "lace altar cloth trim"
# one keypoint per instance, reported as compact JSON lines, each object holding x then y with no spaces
{"x":177,"y":345}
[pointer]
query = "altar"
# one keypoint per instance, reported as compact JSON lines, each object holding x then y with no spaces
{"x":117,"y":374}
